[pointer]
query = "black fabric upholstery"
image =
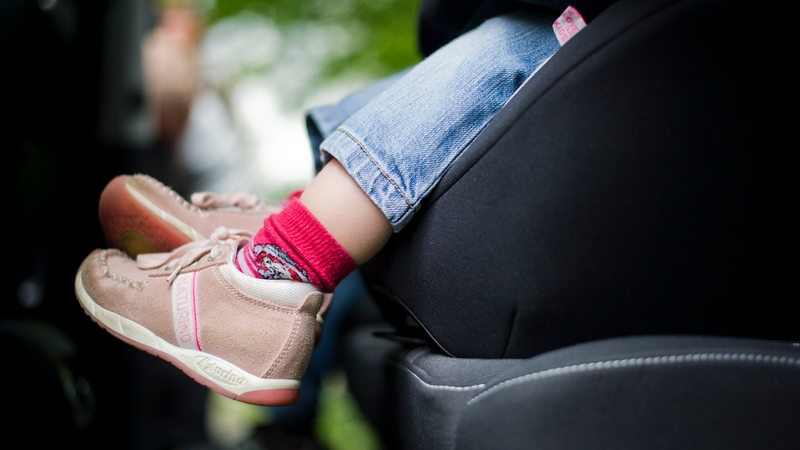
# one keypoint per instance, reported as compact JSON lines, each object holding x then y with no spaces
{"x":410,"y":394}
{"x":610,"y":265}
{"x":640,"y":184}
{"x":429,"y":391}
{"x":649,"y":392}
{"x":634,"y":392}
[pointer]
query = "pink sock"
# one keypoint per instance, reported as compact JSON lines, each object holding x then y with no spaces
{"x":293,"y":245}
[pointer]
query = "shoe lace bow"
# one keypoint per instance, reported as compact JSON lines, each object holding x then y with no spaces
{"x":188,"y":254}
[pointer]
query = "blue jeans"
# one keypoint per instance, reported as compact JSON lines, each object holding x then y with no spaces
{"x":398,"y":138}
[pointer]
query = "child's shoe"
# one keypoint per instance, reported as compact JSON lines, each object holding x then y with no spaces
{"x":245,"y":338}
{"x":139,"y":214}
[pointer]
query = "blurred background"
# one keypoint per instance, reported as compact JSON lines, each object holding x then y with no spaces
{"x":264,"y":63}
{"x":203,"y":95}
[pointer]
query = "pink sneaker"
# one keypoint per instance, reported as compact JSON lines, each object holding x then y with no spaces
{"x":139,"y":214}
{"x":245,"y":338}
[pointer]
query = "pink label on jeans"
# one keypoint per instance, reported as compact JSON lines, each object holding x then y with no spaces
{"x":568,"y":24}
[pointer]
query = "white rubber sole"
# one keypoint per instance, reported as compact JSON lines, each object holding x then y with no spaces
{"x":215,"y":373}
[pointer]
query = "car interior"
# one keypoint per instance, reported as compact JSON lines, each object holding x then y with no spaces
{"x":609,"y":265}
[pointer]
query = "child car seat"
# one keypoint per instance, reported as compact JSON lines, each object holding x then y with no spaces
{"x":610,"y":264}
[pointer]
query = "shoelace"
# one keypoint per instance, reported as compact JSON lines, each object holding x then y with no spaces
{"x":241,"y":200}
{"x":186,"y":255}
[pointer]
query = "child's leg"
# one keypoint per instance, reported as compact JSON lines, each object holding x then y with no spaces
{"x":399,"y":145}
{"x":345,"y":210}
{"x":388,"y":156}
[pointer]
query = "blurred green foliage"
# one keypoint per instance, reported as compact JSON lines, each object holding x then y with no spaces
{"x":371,"y":38}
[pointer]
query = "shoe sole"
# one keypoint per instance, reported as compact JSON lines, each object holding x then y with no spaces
{"x":135,"y":225}
{"x":226,"y":378}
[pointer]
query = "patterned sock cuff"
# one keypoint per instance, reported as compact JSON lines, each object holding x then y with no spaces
{"x":307,"y":241}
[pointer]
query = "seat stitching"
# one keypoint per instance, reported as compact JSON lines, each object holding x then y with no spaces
{"x":639,"y":362}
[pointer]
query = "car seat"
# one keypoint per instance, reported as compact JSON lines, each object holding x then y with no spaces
{"x":610,"y":264}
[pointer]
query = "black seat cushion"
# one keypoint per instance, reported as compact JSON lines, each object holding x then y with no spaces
{"x":642,"y":392}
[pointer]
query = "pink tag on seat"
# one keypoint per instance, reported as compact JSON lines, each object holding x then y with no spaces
{"x":568,"y":25}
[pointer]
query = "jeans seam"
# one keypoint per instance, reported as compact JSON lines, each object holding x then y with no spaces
{"x":377,"y":166}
